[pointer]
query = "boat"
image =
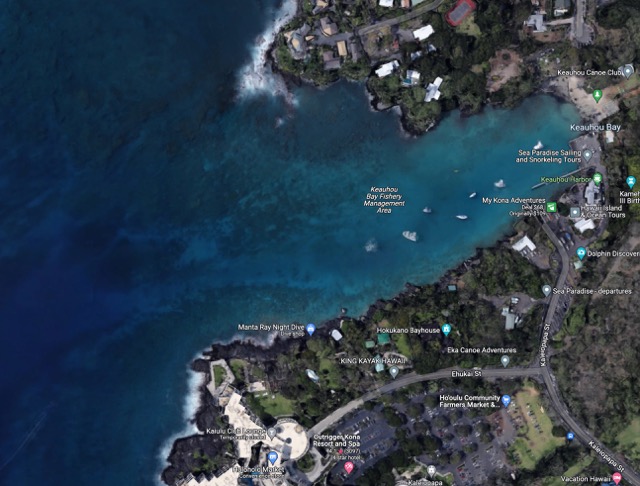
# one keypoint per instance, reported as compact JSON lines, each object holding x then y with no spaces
{"x":410,"y":235}
{"x":371,"y":246}
{"x":462,"y":216}
{"x":499,"y":183}
{"x":472,"y":195}
{"x":427,"y":210}
{"x":538,"y":146}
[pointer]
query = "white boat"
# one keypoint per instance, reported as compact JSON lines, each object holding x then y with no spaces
{"x":427,"y":210}
{"x":538,"y":146}
{"x":499,"y":183}
{"x":371,"y":246}
{"x":410,"y":235}
{"x":472,"y":195}
{"x":462,"y":216}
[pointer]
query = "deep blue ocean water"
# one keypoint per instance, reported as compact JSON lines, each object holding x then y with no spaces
{"x":150,"y":203}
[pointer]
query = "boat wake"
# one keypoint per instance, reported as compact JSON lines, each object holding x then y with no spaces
{"x":257,"y":77}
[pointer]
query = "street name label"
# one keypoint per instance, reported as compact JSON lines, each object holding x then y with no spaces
{"x":606,"y":457}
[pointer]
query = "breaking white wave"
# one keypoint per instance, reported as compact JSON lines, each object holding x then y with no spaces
{"x":256,"y":77}
{"x":189,"y":409}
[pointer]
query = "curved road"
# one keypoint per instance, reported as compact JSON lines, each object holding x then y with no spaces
{"x":410,"y":379}
{"x":402,"y":18}
{"x":628,"y":474}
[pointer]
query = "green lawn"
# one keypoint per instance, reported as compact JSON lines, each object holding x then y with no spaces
{"x":237,"y":366}
{"x":219,"y":375}
{"x":469,"y":27}
{"x":629,"y":440}
{"x":531,"y":445}
{"x":278,"y":406}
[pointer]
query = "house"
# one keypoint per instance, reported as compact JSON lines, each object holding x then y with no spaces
{"x":423,"y":32}
{"x":369,"y":344}
{"x":412,"y":79}
{"x":561,"y":7}
{"x":405,"y":3}
{"x":510,"y":321}
{"x":415,"y":55}
{"x":583,"y":225}
{"x":297,"y":41}
{"x":452,"y":288}
{"x":320,"y":5}
{"x":433,"y":90}
{"x":328,"y":28}
{"x":535,"y":23}
{"x":336,"y":335}
{"x":386,"y":3}
{"x":354,"y":50}
{"x":342,"y":48}
{"x":330,"y":61}
{"x":387,"y":69}
{"x":524,"y":246}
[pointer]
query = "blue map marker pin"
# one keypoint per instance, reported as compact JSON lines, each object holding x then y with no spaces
{"x":570,"y":436}
{"x":631,"y":181}
{"x":311,"y":328}
{"x":273,"y":456}
{"x":446,"y":329}
{"x":581,"y":252}
{"x":506,"y":400}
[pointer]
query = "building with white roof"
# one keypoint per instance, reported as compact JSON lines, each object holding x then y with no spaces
{"x":387,"y":69}
{"x":386,"y":3}
{"x":423,"y":32}
{"x":583,"y":225}
{"x":433,"y":90}
{"x":336,"y":335}
{"x":524,"y":245}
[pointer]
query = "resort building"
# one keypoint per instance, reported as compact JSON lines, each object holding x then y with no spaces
{"x":423,"y":32}
{"x":433,"y":90}
{"x":387,"y":69}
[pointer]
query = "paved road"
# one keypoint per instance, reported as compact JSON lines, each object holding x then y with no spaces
{"x":545,"y":372}
{"x":402,"y":18}
{"x":581,"y":433}
{"x":410,"y":379}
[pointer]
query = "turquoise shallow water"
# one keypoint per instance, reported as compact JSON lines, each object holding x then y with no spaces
{"x":150,"y":207}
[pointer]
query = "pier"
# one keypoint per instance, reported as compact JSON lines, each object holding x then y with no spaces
{"x":540,"y":184}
